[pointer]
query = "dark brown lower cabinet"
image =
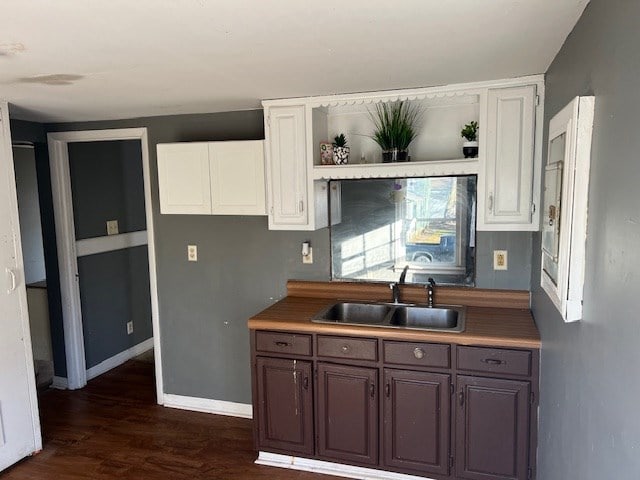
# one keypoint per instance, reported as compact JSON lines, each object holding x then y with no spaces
{"x":285,"y":402}
{"x":347,"y":413}
{"x":417,"y":421}
{"x":492,"y":428}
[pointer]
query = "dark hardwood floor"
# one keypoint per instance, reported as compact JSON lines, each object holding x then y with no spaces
{"x":113,"y":428}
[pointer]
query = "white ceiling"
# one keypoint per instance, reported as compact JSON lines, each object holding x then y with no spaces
{"x":73,"y":60}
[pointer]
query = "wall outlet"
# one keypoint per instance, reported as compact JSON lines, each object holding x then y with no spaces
{"x":130,"y":327}
{"x":112,"y":227}
{"x":499,"y":259}
{"x":308,"y":258}
{"x":192,"y":253}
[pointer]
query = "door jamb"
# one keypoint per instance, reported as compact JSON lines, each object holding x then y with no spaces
{"x":67,"y":258}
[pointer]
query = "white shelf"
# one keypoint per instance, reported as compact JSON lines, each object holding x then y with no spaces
{"x":432,"y":168}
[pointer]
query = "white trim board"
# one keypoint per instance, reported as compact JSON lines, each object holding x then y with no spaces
{"x":109,"y":243}
{"x":67,"y":259}
{"x":329,"y":468}
{"x":119,"y":359}
{"x":206,"y":405}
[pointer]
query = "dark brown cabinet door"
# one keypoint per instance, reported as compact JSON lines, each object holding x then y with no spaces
{"x":285,"y":404}
{"x":417,"y":421}
{"x":492,"y":436}
{"x":348,"y":413}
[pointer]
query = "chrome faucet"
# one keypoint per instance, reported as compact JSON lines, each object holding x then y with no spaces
{"x":431,"y":286}
{"x":395,"y":286}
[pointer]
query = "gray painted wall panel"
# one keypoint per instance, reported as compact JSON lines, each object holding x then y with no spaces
{"x":107,"y":184}
{"x":114,"y":289}
{"x":243,"y":267}
{"x":589,"y":425}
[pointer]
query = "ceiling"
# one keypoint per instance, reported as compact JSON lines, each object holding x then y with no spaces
{"x":75,"y":60}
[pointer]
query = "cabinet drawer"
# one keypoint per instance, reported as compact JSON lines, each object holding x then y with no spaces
{"x":494,"y":360}
{"x":276,"y":342}
{"x":344,"y":347}
{"x":421,"y":354}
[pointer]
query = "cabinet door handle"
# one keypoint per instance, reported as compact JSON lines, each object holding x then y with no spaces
{"x":372,"y":390}
{"x":301,"y":206}
{"x":493,"y":361}
{"x":490,"y":202}
{"x":305,"y":383}
{"x":282,"y":344}
{"x":461,"y":397}
{"x":387,"y":389}
{"x":12,"y":275}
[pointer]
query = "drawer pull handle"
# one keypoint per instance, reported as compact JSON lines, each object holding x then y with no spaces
{"x":493,"y":361}
{"x":345,"y":348}
{"x":282,"y":344}
{"x":418,"y":353}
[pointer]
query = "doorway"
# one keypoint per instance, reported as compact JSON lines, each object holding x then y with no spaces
{"x":106,"y":253}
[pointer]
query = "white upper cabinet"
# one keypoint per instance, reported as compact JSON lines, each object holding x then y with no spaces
{"x":212,"y":178}
{"x":288,"y":187}
{"x":237,"y":178}
{"x":508,"y":191}
{"x":183,"y":177}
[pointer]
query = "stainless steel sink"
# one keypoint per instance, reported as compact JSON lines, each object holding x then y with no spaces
{"x":429,"y":318}
{"x":354,"y":313}
{"x":441,"y":318}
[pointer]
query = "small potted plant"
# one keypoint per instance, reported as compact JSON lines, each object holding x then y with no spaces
{"x":470,"y":134}
{"x":395,"y":125}
{"x":340,"y":150}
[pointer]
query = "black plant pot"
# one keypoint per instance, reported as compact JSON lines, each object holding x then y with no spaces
{"x":395,"y":155}
{"x":470,"y":149}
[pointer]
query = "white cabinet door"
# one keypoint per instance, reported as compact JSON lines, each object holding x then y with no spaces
{"x":237,"y":178}
{"x":506,"y":193}
{"x":183,"y":177}
{"x":19,"y":423}
{"x":287,"y":169}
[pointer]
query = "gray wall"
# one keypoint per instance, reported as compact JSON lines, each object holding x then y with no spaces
{"x":107,"y":184}
{"x":589,"y":421}
{"x":243,"y":267}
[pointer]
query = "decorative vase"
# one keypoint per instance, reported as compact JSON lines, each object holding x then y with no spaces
{"x":394,"y":155}
{"x":470,"y":149}
{"x":340,"y":155}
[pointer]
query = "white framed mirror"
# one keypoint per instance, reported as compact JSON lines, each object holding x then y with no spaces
{"x":566,"y":189}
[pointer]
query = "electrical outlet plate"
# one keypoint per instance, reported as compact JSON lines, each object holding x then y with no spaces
{"x":500,"y":260}
{"x":192,"y":253}
{"x":308,"y":258}
{"x":130,"y":327}
{"x":112,"y":227}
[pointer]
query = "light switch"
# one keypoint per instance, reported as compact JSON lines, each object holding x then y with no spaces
{"x":112,"y":227}
{"x":192,"y":253}
{"x":130,"y":327}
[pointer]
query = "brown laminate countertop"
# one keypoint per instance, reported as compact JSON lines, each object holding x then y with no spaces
{"x":486,"y":326}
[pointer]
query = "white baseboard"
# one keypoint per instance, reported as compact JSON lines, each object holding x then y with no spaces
{"x":119,"y":359}
{"x":206,"y":405}
{"x":60,"y":383}
{"x":329,"y":468}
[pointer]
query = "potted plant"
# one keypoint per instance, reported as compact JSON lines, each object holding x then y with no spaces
{"x":470,"y":133}
{"x":340,"y":150}
{"x":395,"y":125}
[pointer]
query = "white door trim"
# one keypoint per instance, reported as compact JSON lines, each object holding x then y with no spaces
{"x":67,"y":255}
{"x":6,"y":155}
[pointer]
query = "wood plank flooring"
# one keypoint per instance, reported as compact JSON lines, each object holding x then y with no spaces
{"x":114,"y":429}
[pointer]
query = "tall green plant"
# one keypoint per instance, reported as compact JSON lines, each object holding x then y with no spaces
{"x":395,"y":124}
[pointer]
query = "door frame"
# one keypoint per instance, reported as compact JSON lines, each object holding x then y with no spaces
{"x":6,"y":155}
{"x":67,"y":256}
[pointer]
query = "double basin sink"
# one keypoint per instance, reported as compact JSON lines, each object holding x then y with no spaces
{"x":443,"y":318}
